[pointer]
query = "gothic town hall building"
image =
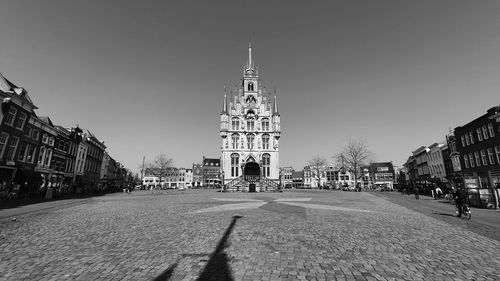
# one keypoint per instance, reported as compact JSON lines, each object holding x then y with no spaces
{"x":250,"y":131}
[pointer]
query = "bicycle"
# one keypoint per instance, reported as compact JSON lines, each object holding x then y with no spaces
{"x":449,"y":198}
{"x":465,"y":211}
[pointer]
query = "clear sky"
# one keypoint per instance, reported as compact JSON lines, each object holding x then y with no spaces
{"x":147,"y":77}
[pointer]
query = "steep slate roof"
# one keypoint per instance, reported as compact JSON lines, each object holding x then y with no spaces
{"x":374,"y":166}
{"x":212,"y":162}
{"x":7,"y":86}
{"x":46,"y":119}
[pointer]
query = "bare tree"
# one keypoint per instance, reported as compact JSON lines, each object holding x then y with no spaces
{"x":160,"y":167}
{"x":353,"y":156}
{"x":318,"y":165}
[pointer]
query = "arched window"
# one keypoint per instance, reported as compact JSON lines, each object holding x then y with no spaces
{"x":250,"y":139}
{"x":250,"y":124}
{"x":266,"y":165}
{"x":250,"y":86}
{"x":234,"y":139}
{"x":265,"y":124}
{"x":235,"y":163}
{"x":265,"y":141}
{"x":235,"y":124}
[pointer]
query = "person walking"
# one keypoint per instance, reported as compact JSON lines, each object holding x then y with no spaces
{"x":460,"y":197}
{"x":417,"y":195}
{"x":439,"y":193}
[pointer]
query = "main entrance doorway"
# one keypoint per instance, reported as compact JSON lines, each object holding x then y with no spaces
{"x":251,"y":174}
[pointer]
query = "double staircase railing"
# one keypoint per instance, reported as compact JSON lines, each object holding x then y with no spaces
{"x":264,"y":184}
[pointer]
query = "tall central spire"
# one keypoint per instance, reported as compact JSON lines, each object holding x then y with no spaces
{"x":250,"y":64}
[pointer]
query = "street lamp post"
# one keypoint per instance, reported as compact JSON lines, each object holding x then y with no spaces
{"x":279,"y":186}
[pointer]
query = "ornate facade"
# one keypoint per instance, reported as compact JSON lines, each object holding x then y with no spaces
{"x":250,"y":131}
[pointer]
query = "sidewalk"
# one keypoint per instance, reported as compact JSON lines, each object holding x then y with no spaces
{"x":484,"y":221}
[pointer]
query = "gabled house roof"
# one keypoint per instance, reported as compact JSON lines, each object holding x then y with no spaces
{"x":47,"y":120}
{"x":8,"y":87}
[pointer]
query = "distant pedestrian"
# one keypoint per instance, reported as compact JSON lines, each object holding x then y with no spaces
{"x":417,"y":195}
{"x":439,"y":193}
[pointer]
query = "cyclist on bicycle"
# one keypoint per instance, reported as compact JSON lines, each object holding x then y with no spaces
{"x":460,"y":198}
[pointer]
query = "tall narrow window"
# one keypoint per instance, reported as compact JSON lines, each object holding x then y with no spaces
{"x":463,"y":141}
{"x":471,"y":138}
{"x":250,"y":86}
{"x":250,"y":124}
{"x":48,"y":156}
{"x":235,"y":163}
{"x":41,"y":155}
{"x":22,"y":151}
{"x":479,"y":135}
{"x":4,"y":137}
{"x":31,"y":153}
{"x":466,"y":161}
{"x":234,"y":140}
{"x":28,"y":131}
{"x":250,"y":139}
{"x":36,"y":134}
{"x":265,"y":124}
{"x":235,"y":124}
{"x":20,"y":121}
{"x":11,"y":150}
{"x":490,"y":129}
{"x":478,"y":159}
{"x":491,"y":156}
{"x":265,"y":141}
{"x":467,"y":141}
{"x":483,"y":157}
{"x":10,"y":117}
{"x":471,"y":159}
{"x":497,"y":152}
{"x":485,"y":132}
{"x":266,"y":165}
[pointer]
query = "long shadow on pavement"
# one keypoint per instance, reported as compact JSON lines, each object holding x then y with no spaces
{"x":443,"y":214}
{"x":217,"y":267}
{"x":165,"y":275}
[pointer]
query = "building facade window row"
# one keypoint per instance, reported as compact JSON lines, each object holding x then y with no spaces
{"x":482,"y":133}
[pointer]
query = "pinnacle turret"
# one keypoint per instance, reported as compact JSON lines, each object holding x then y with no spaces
{"x":224,"y":106}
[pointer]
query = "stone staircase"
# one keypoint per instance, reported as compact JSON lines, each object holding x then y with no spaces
{"x":263,"y":185}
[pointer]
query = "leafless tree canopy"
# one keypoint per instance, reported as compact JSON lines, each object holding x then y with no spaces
{"x":160,"y":166}
{"x":354,"y":155}
{"x":318,"y":165}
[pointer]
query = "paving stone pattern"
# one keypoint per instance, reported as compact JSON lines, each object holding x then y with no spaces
{"x":165,"y":237}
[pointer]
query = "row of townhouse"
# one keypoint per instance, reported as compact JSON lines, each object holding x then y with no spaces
{"x":208,"y":174}
{"x":176,"y":178}
{"x":40,"y":157}
{"x":469,"y":157}
{"x":307,"y":177}
{"x":371,"y":176}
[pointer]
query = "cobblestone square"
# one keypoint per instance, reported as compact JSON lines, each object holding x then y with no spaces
{"x":208,"y":235}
